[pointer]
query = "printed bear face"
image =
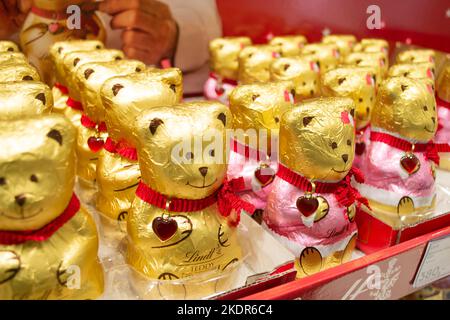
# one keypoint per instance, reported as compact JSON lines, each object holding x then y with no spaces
{"x":412,"y":70}
{"x":254,"y":63}
{"x":59,"y":50}
{"x":345,"y":42}
{"x":18,"y":72}
{"x":8,"y":46}
{"x":302,"y":71}
{"x":37,"y":170}
{"x":91,"y":76}
{"x":357,"y":83}
{"x":327,"y":54}
{"x":74,"y":60}
{"x":124,"y":97}
{"x":369,"y":59}
{"x":406,"y":107}
{"x":259,"y":106}
{"x":317,"y":138}
{"x":24,"y":99}
{"x":12,"y":57}
{"x":416,"y":55}
{"x":443,"y":83}
{"x":289,"y":46}
{"x":224,"y":53}
{"x":182,"y":148}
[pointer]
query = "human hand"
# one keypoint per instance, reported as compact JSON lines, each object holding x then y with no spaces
{"x":149,"y":30}
{"x":12,"y":16}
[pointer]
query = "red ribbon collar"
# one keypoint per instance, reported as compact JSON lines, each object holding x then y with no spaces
{"x":344,"y":192}
{"x":42,"y":234}
{"x":442,"y":103}
{"x":60,"y":87}
{"x":223,"y":80}
{"x":50,"y":14}
{"x":429,"y":149}
{"x":74,"y":104}
{"x":122,"y":148}
{"x":91,"y":124}
{"x":225,"y":198}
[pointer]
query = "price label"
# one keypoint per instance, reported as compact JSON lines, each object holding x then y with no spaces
{"x":435,"y":263}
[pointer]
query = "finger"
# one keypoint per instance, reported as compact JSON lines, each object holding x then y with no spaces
{"x":134,"y":19}
{"x":145,"y":56}
{"x":113,"y":7}
{"x":138,"y":39}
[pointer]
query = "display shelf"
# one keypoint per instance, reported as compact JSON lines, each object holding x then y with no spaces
{"x":396,"y":267}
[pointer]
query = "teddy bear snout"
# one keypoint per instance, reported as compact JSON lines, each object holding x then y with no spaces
{"x":345,"y":157}
{"x":20,"y":199}
{"x":203,"y":171}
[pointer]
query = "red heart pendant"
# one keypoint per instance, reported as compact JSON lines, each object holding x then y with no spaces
{"x":95,"y":144}
{"x":219,"y":90}
{"x":360,"y":147}
{"x":264,"y":179}
{"x":164,"y":228}
{"x":410,"y":163}
{"x":307,"y":205}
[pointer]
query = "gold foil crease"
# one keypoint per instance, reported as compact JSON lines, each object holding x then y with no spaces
{"x":443,"y":83}
{"x":314,"y":140}
{"x":38,"y":162}
{"x":8,"y":46}
{"x":24,"y":99}
{"x":254,"y":63}
{"x":345,"y":42}
{"x":12,"y":72}
{"x":258,"y":107}
{"x":369,"y":59}
{"x":12,"y":57}
{"x":203,"y":241}
{"x":303,"y":72}
{"x":224,"y":54}
{"x":352,"y":82}
{"x":327,"y":55}
{"x":416,"y":56}
{"x":412,"y":70}
{"x":406,"y":107}
{"x":289,"y":45}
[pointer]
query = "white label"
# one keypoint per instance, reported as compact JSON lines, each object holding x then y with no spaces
{"x":435,"y":263}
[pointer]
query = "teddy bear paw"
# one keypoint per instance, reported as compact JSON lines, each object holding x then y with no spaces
{"x":310,"y":260}
{"x":9,"y":265}
{"x":405,"y":206}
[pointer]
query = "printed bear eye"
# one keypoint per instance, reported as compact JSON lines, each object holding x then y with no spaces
{"x":2,"y":181}
{"x":371,"y":98}
{"x":277,"y":119}
{"x":315,"y":82}
{"x":434,"y":108}
{"x":360,"y":99}
{"x":189,"y":156}
{"x":425,"y":108}
{"x":33,"y":178}
{"x":303,"y":83}
{"x":349,"y":143}
{"x":334,"y":145}
{"x":212,"y":153}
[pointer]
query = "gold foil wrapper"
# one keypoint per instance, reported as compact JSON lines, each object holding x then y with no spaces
{"x":224,"y":53}
{"x":327,"y":55}
{"x":357,"y":83}
{"x":290,"y":46}
{"x":13,"y":72}
{"x":91,"y":76}
{"x":12,"y":57}
{"x":369,"y":59}
{"x":254,"y":63}
{"x":302,"y":71}
{"x":372,"y":45}
{"x":259,"y":106}
{"x":124,"y":97}
{"x":24,"y":99}
{"x":203,"y":240}
{"x":314,"y":139}
{"x":413,"y":70}
{"x":39,"y":33}
{"x":8,"y":46}
{"x":37,"y":166}
{"x":345,"y":42}
{"x":406,"y":107}
{"x":443,"y":83}
{"x":416,"y":56}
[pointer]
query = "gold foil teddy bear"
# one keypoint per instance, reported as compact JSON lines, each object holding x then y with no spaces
{"x":290,"y":46}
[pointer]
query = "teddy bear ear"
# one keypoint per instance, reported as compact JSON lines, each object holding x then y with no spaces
{"x":154,"y":124}
{"x":55,"y":135}
{"x":88,"y":72}
{"x":116,"y":88}
{"x":307,"y":120}
{"x":223,"y":117}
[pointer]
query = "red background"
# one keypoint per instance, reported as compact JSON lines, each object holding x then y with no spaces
{"x":423,"y":22}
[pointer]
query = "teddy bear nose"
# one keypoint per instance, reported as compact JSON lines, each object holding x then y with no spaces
{"x":312,"y":92}
{"x":203,"y":170}
{"x":20,"y":199}
{"x":345,"y":157}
